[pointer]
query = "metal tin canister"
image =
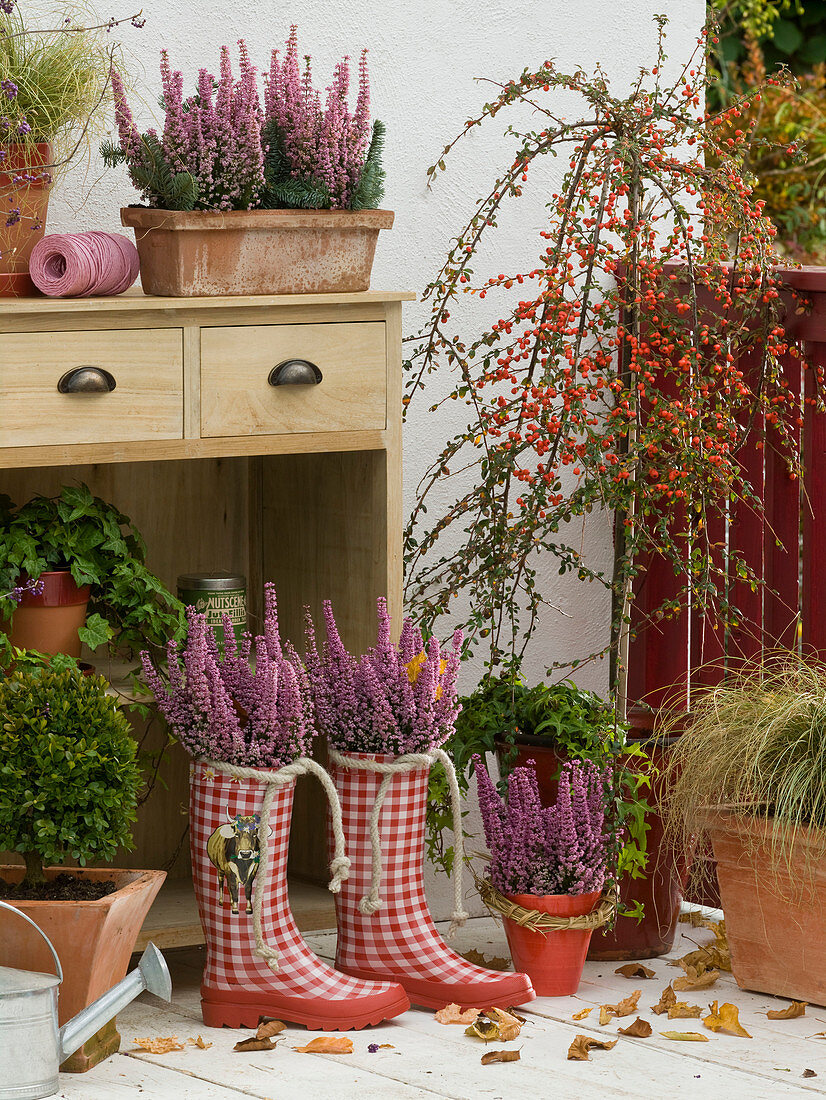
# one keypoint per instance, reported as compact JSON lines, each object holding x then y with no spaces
{"x":216,"y":595}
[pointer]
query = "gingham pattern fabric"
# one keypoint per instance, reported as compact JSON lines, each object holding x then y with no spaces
{"x":231,"y":959}
{"x":400,"y":939}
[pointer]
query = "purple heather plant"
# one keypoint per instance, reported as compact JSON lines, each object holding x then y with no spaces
{"x":540,"y":850}
{"x":210,"y":147}
{"x":222,"y":708}
{"x":394,"y":699}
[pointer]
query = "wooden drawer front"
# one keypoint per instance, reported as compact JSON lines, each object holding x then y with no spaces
{"x":237,"y":399}
{"x":146,"y":403}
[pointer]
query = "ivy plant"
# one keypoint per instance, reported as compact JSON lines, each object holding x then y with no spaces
{"x":69,"y":777}
{"x":129,"y":606}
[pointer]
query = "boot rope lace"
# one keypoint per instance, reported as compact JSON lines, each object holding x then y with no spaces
{"x":371,"y":902}
{"x":340,"y":864}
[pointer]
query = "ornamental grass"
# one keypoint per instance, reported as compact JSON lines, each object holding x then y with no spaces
{"x":756,"y":746}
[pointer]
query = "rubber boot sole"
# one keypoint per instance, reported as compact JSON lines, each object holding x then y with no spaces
{"x":434,"y":994}
{"x":238,"y":1008}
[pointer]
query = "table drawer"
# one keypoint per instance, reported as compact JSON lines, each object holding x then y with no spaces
{"x":241,"y":395}
{"x":146,"y":403}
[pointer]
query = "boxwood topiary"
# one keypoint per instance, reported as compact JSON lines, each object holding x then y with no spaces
{"x":69,"y":777}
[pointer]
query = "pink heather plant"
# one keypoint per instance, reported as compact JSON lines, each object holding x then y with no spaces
{"x":559,"y":849}
{"x":210,"y":155}
{"x":394,"y":699}
{"x":325,"y":145}
{"x":220,"y":708}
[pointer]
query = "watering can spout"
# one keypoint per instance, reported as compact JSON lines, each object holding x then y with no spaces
{"x":151,"y":974}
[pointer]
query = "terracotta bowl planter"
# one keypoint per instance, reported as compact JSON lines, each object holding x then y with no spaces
{"x":93,"y":940}
{"x":49,"y":622}
{"x":32,"y":200}
{"x":207,"y":253}
{"x":774,"y":917}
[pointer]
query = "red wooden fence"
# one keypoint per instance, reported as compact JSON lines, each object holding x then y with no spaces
{"x":786,"y":546}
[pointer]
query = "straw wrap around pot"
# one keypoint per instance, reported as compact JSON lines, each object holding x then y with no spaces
{"x":535,"y":921}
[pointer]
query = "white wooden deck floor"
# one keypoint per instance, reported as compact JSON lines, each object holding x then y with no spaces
{"x":429,"y":1060}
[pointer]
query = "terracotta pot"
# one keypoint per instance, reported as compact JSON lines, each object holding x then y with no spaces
{"x":31,"y":198}
{"x":773,"y":916}
{"x":552,"y":960}
{"x":93,"y":940}
{"x":205,"y":253}
{"x":49,"y":622}
{"x":659,"y":892}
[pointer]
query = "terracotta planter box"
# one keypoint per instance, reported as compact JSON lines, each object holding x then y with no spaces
{"x":773,"y":917}
{"x":93,"y":940}
{"x":49,"y":622}
{"x":31,"y":198}
{"x":207,"y":253}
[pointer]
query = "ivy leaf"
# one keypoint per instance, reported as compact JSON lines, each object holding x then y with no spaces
{"x":96,"y":632}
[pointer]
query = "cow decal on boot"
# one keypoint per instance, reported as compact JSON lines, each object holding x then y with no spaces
{"x":234,"y":849}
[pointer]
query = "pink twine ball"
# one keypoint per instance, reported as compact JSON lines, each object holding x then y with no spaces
{"x":82,"y":265}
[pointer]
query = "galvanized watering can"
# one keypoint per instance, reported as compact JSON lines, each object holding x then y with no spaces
{"x":31,"y":1044}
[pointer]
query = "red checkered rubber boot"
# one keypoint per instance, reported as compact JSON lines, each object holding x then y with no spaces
{"x":238,"y":985}
{"x":399,"y":942}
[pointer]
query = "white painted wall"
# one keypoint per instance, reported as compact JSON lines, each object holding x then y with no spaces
{"x":423,"y":60}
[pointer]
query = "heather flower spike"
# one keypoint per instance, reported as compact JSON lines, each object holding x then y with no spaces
{"x":222,"y":708}
{"x":394,"y":699}
{"x":539,"y":850}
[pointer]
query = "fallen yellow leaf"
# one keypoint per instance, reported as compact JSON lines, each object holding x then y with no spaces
{"x":640,"y":1029}
{"x":725,"y":1018}
{"x":666,"y":1001}
{"x":452,"y":1014}
{"x":500,"y":1056}
{"x":684,"y":1011}
{"x":199,"y":1043}
{"x":795,"y":1009}
{"x":160,"y":1044}
{"x":685,"y":1036}
{"x":635,"y":970}
{"x":581,"y":1015}
{"x":695,"y":981}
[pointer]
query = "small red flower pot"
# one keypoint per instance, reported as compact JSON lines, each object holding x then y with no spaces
{"x":49,"y":622}
{"x":552,"y":960}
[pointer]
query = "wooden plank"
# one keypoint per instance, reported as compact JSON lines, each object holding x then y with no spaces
{"x":814,"y":493}
{"x":124,"y":1078}
{"x":169,"y":450}
{"x":782,"y":532}
{"x":192,"y":382}
{"x":236,"y":362}
{"x":136,"y":301}
{"x":147,"y":403}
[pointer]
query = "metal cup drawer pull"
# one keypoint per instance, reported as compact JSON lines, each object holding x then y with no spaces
{"x":295,"y":372}
{"x":86,"y":380}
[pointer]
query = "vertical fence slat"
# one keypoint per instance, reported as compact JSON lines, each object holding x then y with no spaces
{"x":782,"y":534}
{"x":813,"y":506}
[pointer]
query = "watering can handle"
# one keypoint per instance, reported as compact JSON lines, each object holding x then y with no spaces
{"x":40,"y":931}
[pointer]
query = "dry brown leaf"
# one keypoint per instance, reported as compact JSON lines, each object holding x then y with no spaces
{"x":808,"y":1073}
{"x":693,"y":918}
{"x":625,"y":1007}
{"x":581,"y":1015}
{"x":640,"y":1029}
{"x":199,"y":1043}
{"x":269,"y":1026}
{"x":667,"y":999}
{"x":635,"y":970}
{"x":698,"y":962}
{"x":725,"y":1018}
{"x":452,"y":1014}
{"x":494,"y":1024}
{"x":500,"y":1056}
{"x":386,"y":1046}
{"x":327,"y":1044}
{"x":696,"y":981}
{"x":685,"y":1036}
{"x":512,"y":1012}
{"x":578,"y":1050}
{"x":252,"y":1043}
{"x":795,"y":1009}
{"x":160,"y":1044}
{"x":478,"y":959}
{"x":684,"y":1011}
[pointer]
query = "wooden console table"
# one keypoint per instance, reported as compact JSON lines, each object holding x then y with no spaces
{"x":185,"y":416}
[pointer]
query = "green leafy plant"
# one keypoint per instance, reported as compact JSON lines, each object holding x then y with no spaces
{"x":576,"y":724}
{"x":68,"y":775}
{"x":756,"y":745}
{"x":129,"y":607}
